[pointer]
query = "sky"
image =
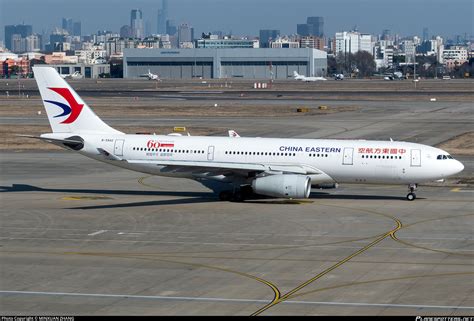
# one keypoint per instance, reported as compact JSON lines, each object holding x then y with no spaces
{"x":246,"y":17}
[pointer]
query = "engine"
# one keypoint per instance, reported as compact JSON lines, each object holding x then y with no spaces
{"x":75,"y":142}
{"x":285,"y":185}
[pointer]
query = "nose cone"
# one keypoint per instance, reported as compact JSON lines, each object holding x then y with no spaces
{"x":456,"y":167}
{"x":460,"y":167}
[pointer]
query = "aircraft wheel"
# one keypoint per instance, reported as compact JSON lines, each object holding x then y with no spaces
{"x":411,"y":196}
{"x":238,"y":197}
{"x":225,"y":195}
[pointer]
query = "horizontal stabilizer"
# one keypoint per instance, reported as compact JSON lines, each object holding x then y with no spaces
{"x":108,"y":155}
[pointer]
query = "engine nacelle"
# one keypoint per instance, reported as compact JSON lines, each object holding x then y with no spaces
{"x":284,"y":185}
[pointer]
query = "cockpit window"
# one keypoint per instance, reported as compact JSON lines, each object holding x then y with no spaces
{"x":444,"y":157}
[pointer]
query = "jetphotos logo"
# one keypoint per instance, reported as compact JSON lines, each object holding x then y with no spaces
{"x":157,"y":144}
{"x":71,"y":109}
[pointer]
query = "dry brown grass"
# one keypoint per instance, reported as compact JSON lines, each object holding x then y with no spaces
{"x":10,"y":140}
{"x":460,"y":145}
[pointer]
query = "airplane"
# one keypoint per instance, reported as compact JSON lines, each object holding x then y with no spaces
{"x":243,"y":167}
{"x":297,"y":76}
{"x":394,"y":76}
{"x":151,"y":76}
{"x":233,"y":133}
{"x":75,"y":75}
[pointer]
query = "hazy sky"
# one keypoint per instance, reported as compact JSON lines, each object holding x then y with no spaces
{"x":247,"y":17}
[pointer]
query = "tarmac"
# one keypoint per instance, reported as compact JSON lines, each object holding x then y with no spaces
{"x":79,"y":237}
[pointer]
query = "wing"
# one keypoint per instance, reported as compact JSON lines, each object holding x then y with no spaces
{"x":212,"y":168}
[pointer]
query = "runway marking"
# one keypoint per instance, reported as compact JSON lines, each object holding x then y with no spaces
{"x":283,"y":247}
{"x":274,"y":288}
{"x":81,"y":198}
{"x":214,"y":299}
{"x":310,"y":236}
{"x":457,"y":189}
{"x":142,"y":179}
{"x":444,"y":251}
{"x":384,"y":280}
{"x":129,"y":233}
{"x":97,"y":233}
{"x":249,"y":258}
{"x":338,"y":264}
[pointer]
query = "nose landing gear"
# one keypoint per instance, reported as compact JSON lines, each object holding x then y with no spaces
{"x":412,"y":196}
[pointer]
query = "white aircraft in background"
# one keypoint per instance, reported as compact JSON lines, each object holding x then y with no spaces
{"x":276,"y":167}
{"x":151,"y":76}
{"x":75,"y":75}
{"x":394,"y":76}
{"x":233,"y":133}
{"x":297,"y":76}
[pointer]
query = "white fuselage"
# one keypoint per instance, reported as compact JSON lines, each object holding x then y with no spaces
{"x":343,"y":161}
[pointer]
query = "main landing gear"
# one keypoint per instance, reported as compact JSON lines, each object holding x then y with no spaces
{"x":412,"y":196}
{"x":238,"y":195}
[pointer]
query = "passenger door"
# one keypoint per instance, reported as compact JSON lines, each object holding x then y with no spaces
{"x":210,"y":153}
{"x":415,"y":160}
{"x":348,"y":156}
{"x":118,"y":148}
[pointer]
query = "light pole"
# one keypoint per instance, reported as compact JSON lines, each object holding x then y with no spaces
{"x":414,"y":67}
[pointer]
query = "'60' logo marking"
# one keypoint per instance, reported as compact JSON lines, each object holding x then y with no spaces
{"x":153,"y":144}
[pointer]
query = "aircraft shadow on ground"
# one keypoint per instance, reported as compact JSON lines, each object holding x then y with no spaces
{"x":31,"y":188}
{"x":191,"y":197}
{"x":322,"y":195}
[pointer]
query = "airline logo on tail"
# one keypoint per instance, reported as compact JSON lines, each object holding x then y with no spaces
{"x":73,"y":109}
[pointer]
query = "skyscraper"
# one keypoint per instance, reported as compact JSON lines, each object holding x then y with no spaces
{"x":314,"y":26}
{"x":425,"y":34}
{"x":76,"y":29}
{"x":162,"y":17}
{"x":317,"y":28}
{"x":125,"y":31}
{"x":22,"y":30}
{"x":185,"y":33}
{"x":170,"y":27}
{"x":266,"y":35}
{"x":303,"y":29}
{"x":136,"y":23}
{"x":67,"y":25}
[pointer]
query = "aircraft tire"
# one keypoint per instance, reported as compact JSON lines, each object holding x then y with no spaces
{"x":411,"y":196}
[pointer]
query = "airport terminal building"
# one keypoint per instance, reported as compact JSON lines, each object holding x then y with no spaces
{"x":247,"y":63}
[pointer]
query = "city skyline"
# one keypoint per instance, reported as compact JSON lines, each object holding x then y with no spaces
{"x":369,"y":16}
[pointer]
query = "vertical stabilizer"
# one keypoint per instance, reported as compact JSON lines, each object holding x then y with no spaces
{"x":67,"y":112}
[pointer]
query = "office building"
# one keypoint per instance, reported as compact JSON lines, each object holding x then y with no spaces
{"x":125,"y":31}
{"x":136,"y":24}
{"x":185,"y":36}
{"x":267,"y":35}
{"x":162,"y":18}
{"x":77,"y":29}
{"x":67,"y":25}
{"x":284,"y":43}
{"x":312,"y":42}
{"x":352,"y":42}
{"x":314,"y":26}
{"x":171,"y":27}
{"x":317,"y":24}
{"x":22,"y":30}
